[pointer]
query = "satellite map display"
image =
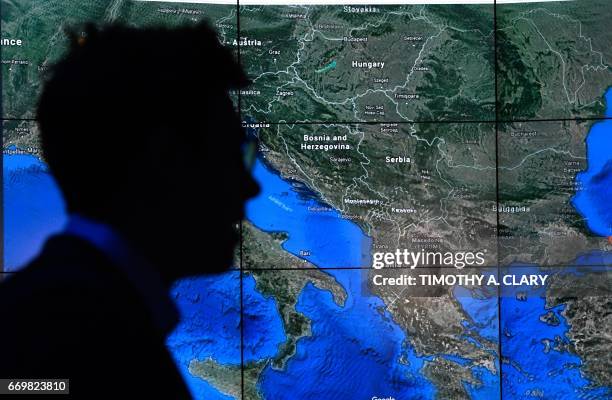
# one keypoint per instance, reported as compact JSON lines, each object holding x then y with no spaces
{"x":479,"y":134}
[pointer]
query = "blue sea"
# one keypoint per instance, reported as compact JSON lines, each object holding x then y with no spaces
{"x":481,"y":307}
{"x":33,"y":205}
{"x":534,"y":370}
{"x":354,"y":350}
{"x":209,"y":327}
{"x":593,"y":202}
{"x":328,"y":239}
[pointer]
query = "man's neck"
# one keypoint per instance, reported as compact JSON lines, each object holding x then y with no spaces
{"x":143,"y":275}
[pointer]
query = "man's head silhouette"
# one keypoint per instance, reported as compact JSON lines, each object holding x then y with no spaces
{"x":140,"y":132}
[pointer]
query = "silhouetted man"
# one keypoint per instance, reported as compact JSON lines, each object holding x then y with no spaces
{"x":139,"y":130}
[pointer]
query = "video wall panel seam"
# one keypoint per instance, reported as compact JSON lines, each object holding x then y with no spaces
{"x":242,"y":363}
{"x":497,"y":202}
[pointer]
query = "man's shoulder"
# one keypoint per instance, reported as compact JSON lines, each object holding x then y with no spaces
{"x":72,"y":292}
{"x":70,"y":312}
{"x":68,"y":273}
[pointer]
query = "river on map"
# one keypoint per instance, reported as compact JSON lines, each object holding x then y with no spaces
{"x":594,"y":202}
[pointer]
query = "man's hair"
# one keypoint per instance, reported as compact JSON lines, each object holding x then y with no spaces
{"x":115,"y":85}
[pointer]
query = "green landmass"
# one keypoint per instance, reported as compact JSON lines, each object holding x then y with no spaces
{"x":41,"y":26}
{"x":227,"y":379}
{"x":283,"y":279}
{"x":438,"y":63}
{"x":588,"y":301}
{"x":553,"y":59}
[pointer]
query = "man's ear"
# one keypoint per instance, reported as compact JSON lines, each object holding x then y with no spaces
{"x":162,"y":152}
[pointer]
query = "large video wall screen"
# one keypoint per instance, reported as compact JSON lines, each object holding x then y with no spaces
{"x":396,"y":140}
